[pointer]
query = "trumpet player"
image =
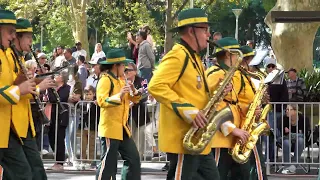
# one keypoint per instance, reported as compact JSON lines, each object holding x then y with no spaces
{"x":230,"y":131}
{"x":180,"y":85}
{"x":113,"y":97}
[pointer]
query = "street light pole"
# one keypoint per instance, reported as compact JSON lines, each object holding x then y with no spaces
{"x":237,"y":13}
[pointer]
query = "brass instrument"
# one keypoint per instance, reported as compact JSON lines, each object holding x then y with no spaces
{"x":196,"y":139}
{"x":36,"y":98}
{"x":53,"y":90}
{"x":241,"y":152}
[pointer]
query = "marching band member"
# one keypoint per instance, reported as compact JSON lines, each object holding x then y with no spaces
{"x":23,"y":121}
{"x":181,"y":87}
{"x":230,"y":131}
{"x":246,"y":96}
{"x":113,"y":97}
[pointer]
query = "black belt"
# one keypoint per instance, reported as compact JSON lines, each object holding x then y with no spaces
{"x":231,"y":102}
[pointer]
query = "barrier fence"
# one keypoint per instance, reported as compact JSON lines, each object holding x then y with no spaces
{"x":292,"y":145}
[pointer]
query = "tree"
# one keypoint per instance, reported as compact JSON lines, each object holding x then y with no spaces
{"x":292,"y":43}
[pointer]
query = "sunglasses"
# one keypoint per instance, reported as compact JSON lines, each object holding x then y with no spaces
{"x":129,"y":69}
{"x":271,"y":66}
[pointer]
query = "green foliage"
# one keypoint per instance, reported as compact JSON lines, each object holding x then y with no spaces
{"x":268,"y":4}
{"x":312,"y":81}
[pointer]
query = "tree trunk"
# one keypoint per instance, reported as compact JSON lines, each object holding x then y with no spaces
{"x":292,"y":43}
{"x":79,"y":25}
{"x":168,"y":40}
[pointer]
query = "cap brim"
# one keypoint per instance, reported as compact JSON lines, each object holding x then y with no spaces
{"x":124,"y":61}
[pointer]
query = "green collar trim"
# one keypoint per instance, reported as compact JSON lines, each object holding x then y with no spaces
{"x":112,"y":75}
{"x":223,"y":65}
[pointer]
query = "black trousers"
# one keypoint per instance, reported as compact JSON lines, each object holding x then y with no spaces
{"x":32,"y":154}
{"x":192,"y":167}
{"x":59,"y":136}
{"x":108,"y":167}
{"x":225,"y":164}
{"x":14,"y":161}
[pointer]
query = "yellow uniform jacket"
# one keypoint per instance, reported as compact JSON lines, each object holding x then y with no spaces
{"x":9,"y":95}
{"x":22,"y":114}
{"x":223,"y":138}
{"x":246,"y":95}
{"x":114,"y":112}
{"x":181,"y":96}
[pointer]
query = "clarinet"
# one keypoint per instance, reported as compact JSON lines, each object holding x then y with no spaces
{"x":53,"y":90}
{"x":36,"y":98}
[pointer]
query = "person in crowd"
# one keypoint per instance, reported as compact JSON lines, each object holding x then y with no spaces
{"x":250,"y":43}
{"x":88,"y":128}
{"x":68,"y":56}
{"x":147,"y":29}
{"x":294,"y":131}
{"x":60,"y":60}
{"x":146,"y":57}
{"x":58,"y":125}
{"x":42,"y":57}
{"x":79,"y":52}
{"x":181,"y":87}
{"x":113,"y":97}
{"x":75,"y":96}
{"x":98,"y":53}
{"x":296,"y":87}
{"x":94,"y":78}
{"x":278,"y":92}
{"x":82,"y":71}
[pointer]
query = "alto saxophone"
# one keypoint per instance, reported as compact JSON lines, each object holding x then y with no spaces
{"x":241,"y":152}
{"x":196,"y":139}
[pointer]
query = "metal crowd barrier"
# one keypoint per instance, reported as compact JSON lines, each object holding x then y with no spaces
{"x":280,"y":148}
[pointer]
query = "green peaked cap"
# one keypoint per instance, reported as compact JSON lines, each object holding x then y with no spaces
{"x":115,"y":56}
{"x":191,"y":16}
{"x":227,"y":43}
{"x":7,"y":17}
{"x":247,"y":51}
{"x":23,"y":25}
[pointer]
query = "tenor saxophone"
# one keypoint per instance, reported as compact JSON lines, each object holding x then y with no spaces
{"x":196,"y":139}
{"x":241,"y":152}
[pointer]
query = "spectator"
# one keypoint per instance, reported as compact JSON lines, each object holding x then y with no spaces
{"x":60,"y":59}
{"x":90,"y":114}
{"x":68,"y":56}
{"x":296,"y":86}
{"x":146,"y":58}
{"x":147,"y":29}
{"x":250,"y":43}
{"x":216,"y":36}
{"x":79,"y":51}
{"x":278,"y":92}
{"x":294,"y":132}
{"x":82,"y":71}
{"x":98,"y":53}
{"x":61,"y":123}
{"x":94,"y":78}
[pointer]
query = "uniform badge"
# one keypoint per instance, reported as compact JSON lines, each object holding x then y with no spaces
{"x":199,"y":82}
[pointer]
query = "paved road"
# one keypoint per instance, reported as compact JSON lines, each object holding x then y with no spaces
{"x":80,"y":176}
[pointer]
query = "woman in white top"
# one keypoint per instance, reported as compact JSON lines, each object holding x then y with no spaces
{"x":98,"y":53}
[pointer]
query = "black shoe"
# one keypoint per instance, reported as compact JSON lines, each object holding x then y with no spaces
{"x":165,"y":167}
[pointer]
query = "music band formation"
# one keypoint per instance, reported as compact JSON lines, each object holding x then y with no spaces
{"x":210,"y":119}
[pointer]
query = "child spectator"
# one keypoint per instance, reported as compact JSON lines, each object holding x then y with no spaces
{"x":88,"y":128}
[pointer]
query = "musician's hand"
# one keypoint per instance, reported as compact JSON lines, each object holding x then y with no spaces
{"x":257,"y":112}
{"x":266,"y":98}
{"x":27,"y":87}
{"x":241,"y":134}
{"x":124,"y":90}
{"x":47,"y":83}
{"x":131,"y":85}
{"x":227,"y":89}
{"x":200,"y":121}
{"x":19,"y":79}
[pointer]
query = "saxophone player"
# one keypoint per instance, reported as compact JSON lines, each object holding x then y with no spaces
{"x":230,"y":131}
{"x":246,"y":95}
{"x":23,"y":122}
{"x":181,"y":87}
